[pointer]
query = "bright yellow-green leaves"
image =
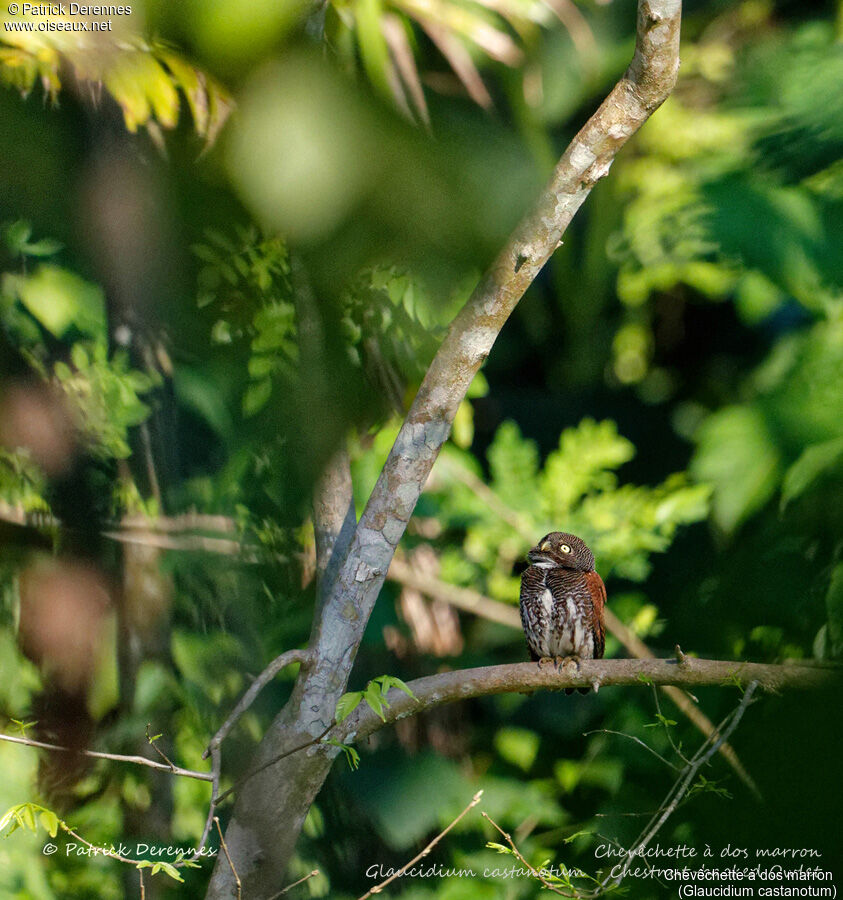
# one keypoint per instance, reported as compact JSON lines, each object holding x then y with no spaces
{"x":143,"y":78}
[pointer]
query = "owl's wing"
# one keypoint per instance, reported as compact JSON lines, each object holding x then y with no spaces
{"x":597,"y":590}
{"x":532,"y":586}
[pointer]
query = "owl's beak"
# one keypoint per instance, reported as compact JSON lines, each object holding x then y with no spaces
{"x":538,"y":554}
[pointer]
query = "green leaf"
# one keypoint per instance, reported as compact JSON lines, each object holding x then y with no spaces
{"x":28,"y":814}
{"x":347,"y":704}
{"x":813,"y":462}
{"x":491,"y":845}
{"x":352,"y":757}
{"x":374,"y":696}
{"x":518,"y":746}
{"x":50,"y":821}
{"x":17,"y":234}
{"x":389,"y":681}
{"x":577,"y":834}
{"x":168,"y":869}
{"x":58,"y":299}
{"x":738,"y":455}
{"x":256,"y":396}
{"x":44,"y":247}
{"x":373,"y":47}
{"x":7,"y":817}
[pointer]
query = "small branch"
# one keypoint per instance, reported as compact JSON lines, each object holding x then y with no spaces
{"x":303,"y":657}
{"x":379,"y":887}
{"x":462,"y":598}
{"x":164,"y":532}
{"x":230,"y":863}
{"x":274,"y":760}
{"x":463,"y":684}
{"x":523,"y":861}
{"x":216,"y":767}
{"x":157,"y":749}
{"x":637,"y":740}
{"x":115,"y":757}
{"x":661,"y":718}
{"x":294,"y":884}
{"x":683,"y":783}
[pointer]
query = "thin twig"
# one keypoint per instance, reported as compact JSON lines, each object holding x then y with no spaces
{"x":272,"y":762}
{"x":663,"y":719}
{"x":230,"y":863}
{"x":115,"y":757}
{"x":216,"y":766}
{"x":157,"y":749}
{"x":683,"y":783}
{"x":632,"y":737}
{"x":280,"y":662}
{"x":379,"y":887}
{"x":537,"y":875}
{"x":142,"y":886}
{"x":294,"y":884}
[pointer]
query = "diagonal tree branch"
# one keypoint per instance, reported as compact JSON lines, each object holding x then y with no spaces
{"x":643,"y":88}
{"x":334,"y":517}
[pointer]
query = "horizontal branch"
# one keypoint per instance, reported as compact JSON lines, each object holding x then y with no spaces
{"x":447,"y":687}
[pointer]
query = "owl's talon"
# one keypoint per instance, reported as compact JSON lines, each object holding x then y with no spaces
{"x":543,"y":661}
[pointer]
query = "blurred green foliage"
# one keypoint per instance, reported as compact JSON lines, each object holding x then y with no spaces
{"x":671,"y":388}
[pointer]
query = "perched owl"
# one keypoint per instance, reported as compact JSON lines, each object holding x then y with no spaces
{"x":562,"y":600}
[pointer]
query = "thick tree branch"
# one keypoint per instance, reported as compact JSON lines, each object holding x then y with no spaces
{"x":463,"y":684}
{"x":334,"y":519}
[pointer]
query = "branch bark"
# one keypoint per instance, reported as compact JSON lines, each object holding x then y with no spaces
{"x":271,"y":808}
{"x":463,"y":684}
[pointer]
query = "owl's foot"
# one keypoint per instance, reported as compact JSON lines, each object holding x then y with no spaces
{"x":564,"y":663}
{"x":544,"y":661}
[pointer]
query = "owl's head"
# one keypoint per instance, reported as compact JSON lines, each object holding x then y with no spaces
{"x":562,"y":549}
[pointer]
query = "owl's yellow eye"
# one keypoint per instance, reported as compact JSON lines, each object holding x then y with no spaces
{"x":564,"y":548}
{"x":545,"y":546}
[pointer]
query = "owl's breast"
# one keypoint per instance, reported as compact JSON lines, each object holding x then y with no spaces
{"x":557,"y":613}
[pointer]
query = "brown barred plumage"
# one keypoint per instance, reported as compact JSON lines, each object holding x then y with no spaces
{"x":562,"y":600}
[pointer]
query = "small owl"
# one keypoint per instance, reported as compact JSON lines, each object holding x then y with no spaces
{"x":562,"y":600}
